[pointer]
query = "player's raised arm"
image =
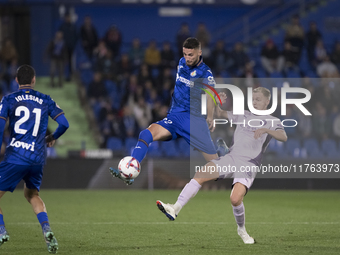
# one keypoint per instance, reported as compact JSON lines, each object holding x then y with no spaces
{"x":278,"y":134}
{"x":210,"y":111}
{"x":219,"y":112}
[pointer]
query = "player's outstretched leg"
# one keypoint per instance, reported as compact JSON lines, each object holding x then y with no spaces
{"x":51,"y":241}
{"x":115,"y":173}
{"x":167,"y":209}
{"x":222,"y":148}
{"x":4,"y":236}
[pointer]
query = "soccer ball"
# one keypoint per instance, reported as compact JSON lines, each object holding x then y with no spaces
{"x":129,"y":167}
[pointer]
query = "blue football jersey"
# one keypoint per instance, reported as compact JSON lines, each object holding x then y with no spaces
{"x":28,"y":111}
{"x":188,"y":88}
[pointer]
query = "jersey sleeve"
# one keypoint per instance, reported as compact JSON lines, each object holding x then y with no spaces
{"x":53,"y":109}
{"x":208,"y":78}
{"x":4,"y":108}
{"x":235,"y":118}
{"x":277,"y":125}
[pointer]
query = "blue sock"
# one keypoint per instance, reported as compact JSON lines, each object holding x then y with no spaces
{"x":145,"y":138}
{"x":2,"y":223}
{"x":43,"y":219}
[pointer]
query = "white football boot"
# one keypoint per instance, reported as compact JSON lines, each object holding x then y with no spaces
{"x":167,"y":209}
{"x":247,"y":239}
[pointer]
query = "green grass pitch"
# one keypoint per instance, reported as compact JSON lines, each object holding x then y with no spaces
{"x":128,"y":222}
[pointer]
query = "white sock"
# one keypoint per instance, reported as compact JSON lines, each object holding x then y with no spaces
{"x":239,"y":215}
{"x":188,"y":192}
{"x":177,"y":207}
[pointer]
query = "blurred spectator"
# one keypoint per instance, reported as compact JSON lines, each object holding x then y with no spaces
{"x":132,"y":85}
{"x":89,"y":37}
{"x":100,"y":52}
{"x":220,"y":58}
{"x":322,"y":125}
{"x":312,"y":36}
{"x":182,"y":34}
{"x":129,"y":123}
{"x":111,"y":126}
{"x":335,"y":55}
{"x":106,"y":66}
{"x":136,"y":54}
{"x":152,"y":55}
{"x":142,"y":113}
{"x":320,"y":53}
{"x":144,"y":74}
{"x":10,"y":73}
{"x":326,"y":69}
{"x":166,"y":92}
{"x":295,"y":34}
{"x":113,"y":40}
{"x":271,"y":58}
{"x":57,"y":52}
{"x":70,"y":37}
{"x":124,"y":64}
{"x":167,"y":56}
{"x":249,"y":76}
{"x":8,"y":53}
{"x":97,"y":88}
{"x":165,"y":76}
{"x":239,"y":58}
{"x":336,"y":122}
{"x":291,"y":57}
{"x":203,"y":35}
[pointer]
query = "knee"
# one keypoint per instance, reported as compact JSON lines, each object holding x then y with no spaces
{"x":30,"y":195}
{"x":235,"y":200}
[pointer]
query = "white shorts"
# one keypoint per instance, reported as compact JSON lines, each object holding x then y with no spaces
{"x":238,"y":168}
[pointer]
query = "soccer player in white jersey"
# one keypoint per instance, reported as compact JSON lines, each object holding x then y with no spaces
{"x":249,"y":145}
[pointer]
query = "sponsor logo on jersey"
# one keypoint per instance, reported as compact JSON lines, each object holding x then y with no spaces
{"x":193,"y":74}
{"x":211,"y":80}
{"x":23,"y":145}
{"x":185,"y":81}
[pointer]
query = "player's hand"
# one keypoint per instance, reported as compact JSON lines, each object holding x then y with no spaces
{"x":210,"y":122}
{"x":50,"y":141}
{"x":260,"y":132}
{"x":223,"y":97}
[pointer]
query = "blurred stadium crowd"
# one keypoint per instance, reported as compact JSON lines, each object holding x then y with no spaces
{"x":130,"y":86}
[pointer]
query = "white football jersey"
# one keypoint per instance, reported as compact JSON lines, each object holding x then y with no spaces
{"x":244,"y":144}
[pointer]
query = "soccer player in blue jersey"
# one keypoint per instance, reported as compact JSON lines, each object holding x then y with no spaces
{"x":27,"y":111}
{"x":193,"y":75}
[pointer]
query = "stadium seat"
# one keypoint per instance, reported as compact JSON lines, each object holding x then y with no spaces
{"x":170,"y":149}
{"x":130,"y":144}
{"x":115,"y":144}
{"x":293,"y":147}
{"x":329,"y":148}
{"x":312,"y":147}
{"x":154,"y":150}
{"x":86,"y":76}
{"x":184,"y":148}
{"x":111,"y":87}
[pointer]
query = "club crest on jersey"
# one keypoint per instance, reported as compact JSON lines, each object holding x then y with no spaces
{"x":23,"y":145}
{"x":193,"y":74}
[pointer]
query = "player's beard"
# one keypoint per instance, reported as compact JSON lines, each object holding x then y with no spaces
{"x":194,"y":62}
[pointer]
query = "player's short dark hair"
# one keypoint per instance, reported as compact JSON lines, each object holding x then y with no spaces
{"x":25,"y":74}
{"x":192,"y":43}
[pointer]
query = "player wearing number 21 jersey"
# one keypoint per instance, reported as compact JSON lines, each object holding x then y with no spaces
{"x":27,"y":112}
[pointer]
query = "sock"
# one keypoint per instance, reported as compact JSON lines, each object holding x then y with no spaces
{"x":43,"y":219}
{"x":239,"y":215}
{"x":189,"y":191}
{"x":145,"y":138}
{"x":2,"y":223}
{"x":177,"y":207}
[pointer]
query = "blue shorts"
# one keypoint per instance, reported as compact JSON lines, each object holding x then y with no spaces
{"x":12,"y":174}
{"x":198,"y":136}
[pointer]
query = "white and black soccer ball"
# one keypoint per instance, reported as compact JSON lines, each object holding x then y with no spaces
{"x":129,"y":167}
